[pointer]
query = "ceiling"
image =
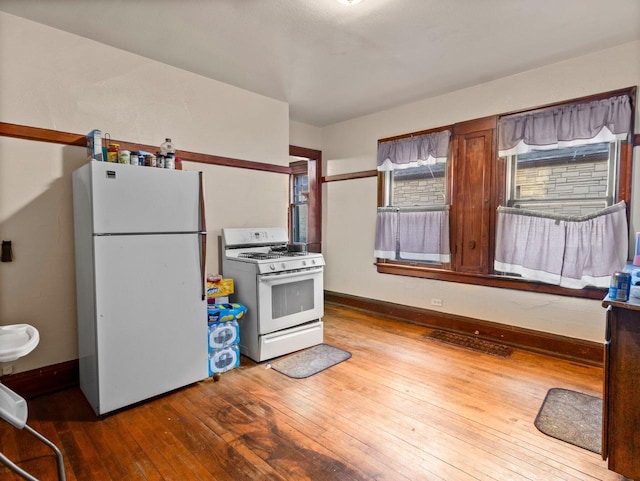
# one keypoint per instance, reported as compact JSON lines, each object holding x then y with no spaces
{"x":332,"y":62}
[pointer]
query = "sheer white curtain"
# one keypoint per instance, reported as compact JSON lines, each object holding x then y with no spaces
{"x":386,"y":234}
{"x":418,"y":235}
{"x":572,"y":252}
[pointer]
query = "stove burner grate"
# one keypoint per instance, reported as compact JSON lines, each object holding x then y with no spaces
{"x":260,"y":255}
{"x":294,"y":254}
{"x":272,"y":254}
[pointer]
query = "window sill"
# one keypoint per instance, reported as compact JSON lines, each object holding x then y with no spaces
{"x":401,"y":269}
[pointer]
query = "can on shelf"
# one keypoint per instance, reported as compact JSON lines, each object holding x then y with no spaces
{"x":150,"y":160}
{"x":620,"y":286}
{"x":124,"y":157}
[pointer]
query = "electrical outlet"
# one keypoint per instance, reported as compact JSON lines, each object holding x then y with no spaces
{"x":436,"y":302}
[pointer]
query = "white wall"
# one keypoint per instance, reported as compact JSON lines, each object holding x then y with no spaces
{"x":54,"y":80}
{"x":349,"y":206}
{"x":304,"y":135}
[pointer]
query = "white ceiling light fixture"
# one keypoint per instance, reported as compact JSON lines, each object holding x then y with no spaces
{"x":349,"y":2}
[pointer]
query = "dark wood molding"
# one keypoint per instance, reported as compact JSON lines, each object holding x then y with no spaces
{"x":413,"y":134}
{"x":475,"y":125}
{"x":577,"y":350}
{"x":41,"y":135}
{"x":230,"y":162}
{"x":353,"y":175}
{"x":305,"y":152}
{"x":66,"y":138}
{"x":402,"y":269}
{"x":45,"y":380}
{"x":636,"y":140}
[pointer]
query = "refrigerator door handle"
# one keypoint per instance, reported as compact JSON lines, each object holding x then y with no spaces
{"x":203,"y":264}
{"x":203,"y":238}
{"x":203,"y":220}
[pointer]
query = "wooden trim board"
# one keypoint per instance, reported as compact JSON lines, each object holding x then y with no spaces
{"x":44,"y":380}
{"x":578,"y":350}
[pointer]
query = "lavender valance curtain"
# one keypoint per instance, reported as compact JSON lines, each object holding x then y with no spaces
{"x":413,"y":234}
{"x":568,"y":251}
{"x":426,"y":149}
{"x":565,"y":126}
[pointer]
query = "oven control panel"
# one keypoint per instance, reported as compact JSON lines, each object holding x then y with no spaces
{"x":283,"y":265}
{"x":255,"y":236}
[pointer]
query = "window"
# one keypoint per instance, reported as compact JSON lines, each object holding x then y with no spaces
{"x":572,"y":181}
{"x":299,"y":207}
{"x":569,"y":176}
{"x":305,"y":197}
{"x":413,"y":222}
{"x":422,"y":186}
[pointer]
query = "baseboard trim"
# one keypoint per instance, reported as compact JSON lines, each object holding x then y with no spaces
{"x":577,"y":350}
{"x":44,"y":380}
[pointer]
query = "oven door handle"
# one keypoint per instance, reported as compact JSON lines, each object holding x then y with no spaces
{"x":277,"y":277}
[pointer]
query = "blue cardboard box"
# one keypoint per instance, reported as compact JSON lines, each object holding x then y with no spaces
{"x":223,"y":334}
{"x":225,"y":312}
{"x":223,"y":360}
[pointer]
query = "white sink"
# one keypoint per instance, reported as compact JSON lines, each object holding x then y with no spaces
{"x":17,"y":340}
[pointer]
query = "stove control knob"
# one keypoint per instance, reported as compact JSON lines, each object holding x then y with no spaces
{"x":304,"y":263}
{"x":284,"y":266}
{"x":313,"y":261}
{"x":272,"y":267}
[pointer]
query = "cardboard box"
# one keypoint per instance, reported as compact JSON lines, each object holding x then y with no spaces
{"x":223,"y":334}
{"x":225,"y":312}
{"x":223,"y":287}
{"x":94,"y":145}
{"x":223,"y":360}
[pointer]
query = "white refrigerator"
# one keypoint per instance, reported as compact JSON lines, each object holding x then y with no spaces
{"x":140,"y":240}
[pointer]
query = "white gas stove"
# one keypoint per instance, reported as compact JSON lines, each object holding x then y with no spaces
{"x":282,"y":286}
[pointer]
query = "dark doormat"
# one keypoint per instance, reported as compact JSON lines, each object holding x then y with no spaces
{"x":469,"y":342}
{"x":310,"y":361}
{"x":572,"y":417}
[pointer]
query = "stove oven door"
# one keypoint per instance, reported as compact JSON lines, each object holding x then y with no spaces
{"x":288,"y":299}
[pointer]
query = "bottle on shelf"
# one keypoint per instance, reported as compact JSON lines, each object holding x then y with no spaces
{"x":124,"y":156}
{"x":170,"y":161}
{"x":112,"y":152}
{"x":167,"y":147}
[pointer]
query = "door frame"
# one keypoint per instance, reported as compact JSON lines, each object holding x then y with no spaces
{"x":314,"y":174}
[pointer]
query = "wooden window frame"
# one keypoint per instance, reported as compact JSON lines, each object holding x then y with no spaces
{"x":496,"y":180}
{"x":314,"y":214}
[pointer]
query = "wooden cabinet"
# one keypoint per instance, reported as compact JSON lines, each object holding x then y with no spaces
{"x":621,"y":398}
{"x":472,"y":206}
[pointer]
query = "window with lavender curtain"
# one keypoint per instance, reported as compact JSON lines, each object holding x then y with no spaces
{"x":570,"y":251}
{"x":417,"y":227}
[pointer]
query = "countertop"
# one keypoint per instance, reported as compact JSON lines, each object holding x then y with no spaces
{"x":633,"y":303}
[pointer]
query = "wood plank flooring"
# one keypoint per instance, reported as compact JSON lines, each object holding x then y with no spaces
{"x":403,"y":408}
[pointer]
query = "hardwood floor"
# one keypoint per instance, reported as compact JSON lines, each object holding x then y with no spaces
{"x":403,"y":408}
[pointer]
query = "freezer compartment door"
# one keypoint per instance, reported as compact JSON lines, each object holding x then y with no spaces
{"x":151,"y":323}
{"x":134,"y":199}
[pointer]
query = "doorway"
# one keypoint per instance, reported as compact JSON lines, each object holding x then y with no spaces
{"x":305,"y":197}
